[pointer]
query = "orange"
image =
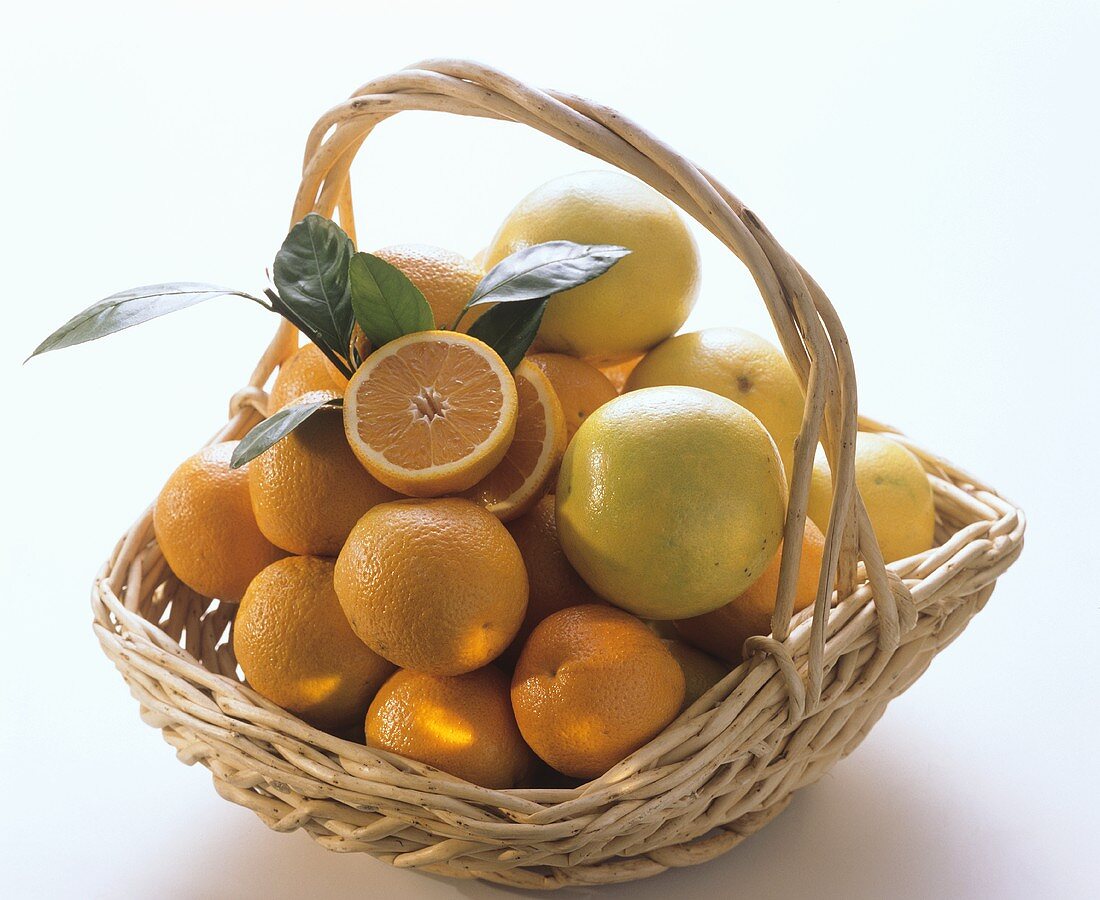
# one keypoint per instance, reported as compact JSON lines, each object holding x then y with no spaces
{"x":308,"y":369}
{"x":580,"y":386}
{"x":308,"y":490}
{"x":431,"y":413}
{"x":724,"y":631}
{"x":433,"y":585}
{"x":618,"y":373}
{"x":553,"y":583}
{"x":701,"y":670}
{"x":461,"y":724}
{"x":296,"y":648}
{"x":592,"y":685}
{"x":447,"y":280}
{"x":532,"y":460}
{"x":205,"y":527}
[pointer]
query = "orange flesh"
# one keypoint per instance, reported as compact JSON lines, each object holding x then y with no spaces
{"x":429,"y":404}
{"x":523,"y":455}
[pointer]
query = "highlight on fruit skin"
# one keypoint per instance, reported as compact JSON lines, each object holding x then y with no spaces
{"x":205,"y":526}
{"x":433,"y":585}
{"x":460,"y":724}
{"x":308,"y":490}
{"x":640,"y":302}
{"x":296,"y":648}
{"x":431,"y":413}
{"x":670,"y":501}
{"x":525,"y":473}
{"x":592,"y":685}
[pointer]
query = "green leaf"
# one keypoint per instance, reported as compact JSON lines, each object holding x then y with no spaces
{"x":128,"y":308}
{"x":276,"y":427}
{"x":544,"y":270}
{"x":387,"y":305}
{"x":510,"y":328}
{"x":311,"y":274}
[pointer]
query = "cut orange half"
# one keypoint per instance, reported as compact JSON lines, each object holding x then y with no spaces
{"x":521,"y":479}
{"x":431,"y":413}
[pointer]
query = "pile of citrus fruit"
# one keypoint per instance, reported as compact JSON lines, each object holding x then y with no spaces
{"x":509,"y":567}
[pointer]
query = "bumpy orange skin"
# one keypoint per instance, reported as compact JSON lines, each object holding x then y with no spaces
{"x":307,"y":370}
{"x":580,"y":386}
{"x":723,"y":631}
{"x":554,"y":583}
{"x":204,"y":524}
{"x":460,"y":724}
{"x":446,"y":279}
{"x":592,"y":685}
{"x":433,"y":585}
{"x":308,"y":490}
{"x":296,"y":648}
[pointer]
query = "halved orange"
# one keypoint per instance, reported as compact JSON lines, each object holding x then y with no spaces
{"x":521,"y":479}
{"x":431,"y":413}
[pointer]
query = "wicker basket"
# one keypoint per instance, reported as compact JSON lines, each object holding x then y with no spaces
{"x":804,"y":698}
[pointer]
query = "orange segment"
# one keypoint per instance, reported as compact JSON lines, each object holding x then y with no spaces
{"x":523,"y":476}
{"x":431,"y":413}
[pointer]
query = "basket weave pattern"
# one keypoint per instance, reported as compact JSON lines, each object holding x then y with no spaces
{"x":804,"y":697}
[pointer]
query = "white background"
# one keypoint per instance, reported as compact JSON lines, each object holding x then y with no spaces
{"x":933,"y":164}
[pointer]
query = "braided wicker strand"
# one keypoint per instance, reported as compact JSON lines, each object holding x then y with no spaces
{"x":804,"y":698}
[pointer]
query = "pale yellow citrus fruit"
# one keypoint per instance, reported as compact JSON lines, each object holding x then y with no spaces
{"x":644,"y":298}
{"x":670,"y":501}
{"x":523,"y":476}
{"x":580,"y":386}
{"x":446,"y":279}
{"x":592,"y":685}
{"x":205,"y":526}
{"x":431,"y":413}
{"x":737,"y":364}
{"x":308,"y":490}
{"x":433,"y":585}
{"x":461,"y":724}
{"x":296,"y":648}
{"x":308,"y":369}
{"x":896,"y":491}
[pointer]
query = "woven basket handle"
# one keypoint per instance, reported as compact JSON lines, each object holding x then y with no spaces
{"x":807,"y":324}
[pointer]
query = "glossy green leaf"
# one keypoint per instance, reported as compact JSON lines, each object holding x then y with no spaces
{"x":276,"y":427}
{"x":311,"y":275}
{"x":544,"y":270}
{"x":128,"y":308}
{"x":510,"y":328}
{"x":386,"y":304}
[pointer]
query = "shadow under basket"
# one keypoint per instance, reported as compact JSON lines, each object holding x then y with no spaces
{"x":804,"y":698}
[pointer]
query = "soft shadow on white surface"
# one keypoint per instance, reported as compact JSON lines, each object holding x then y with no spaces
{"x":861,"y":832}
